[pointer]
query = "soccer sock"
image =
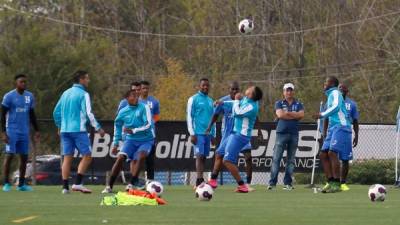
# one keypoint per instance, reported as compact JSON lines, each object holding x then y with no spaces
{"x":65,"y":184}
{"x":343,"y":181}
{"x":112,"y":181}
{"x":241,"y":182}
{"x":79,"y":178}
{"x":214,"y":176}
{"x":134,"y":181}
{"x":248,"y":179}
{"x":21,"y":181}
{"x":199,"y":181}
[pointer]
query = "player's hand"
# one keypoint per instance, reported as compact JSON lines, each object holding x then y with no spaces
{"x":193,"y":139}
{"x":238,"y":96}
{"x":128,"y":130}
{"x":4,"y":137}
{"x":101,"y":132}
{"x":355,"y":141}
{"x":316,"y":116}
{"x":114,"y":150}
{"x":37,"y":137}
{"x":217,"y":103}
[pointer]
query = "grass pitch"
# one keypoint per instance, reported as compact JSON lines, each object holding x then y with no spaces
{"x":45,"y":205}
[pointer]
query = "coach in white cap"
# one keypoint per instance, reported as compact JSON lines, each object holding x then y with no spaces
{"x":288,"y":111}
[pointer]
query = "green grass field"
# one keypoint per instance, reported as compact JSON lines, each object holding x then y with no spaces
{"x":301,"y":206}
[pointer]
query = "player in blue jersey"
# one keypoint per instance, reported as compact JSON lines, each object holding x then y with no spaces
{"x":154,"y":106}
{"x":224,"y":107}
{"x":245,"y":111}
{"x":71,"y":115}
{"x":136,"y":86}
{"x":136,"y":120}
{"x":17,"y":113}
{"x":338,"y":138}
{"x":346,"y":156}
{"x":198,"y":114}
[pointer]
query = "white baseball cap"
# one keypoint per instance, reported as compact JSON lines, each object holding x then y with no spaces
{"x":288,"y":85}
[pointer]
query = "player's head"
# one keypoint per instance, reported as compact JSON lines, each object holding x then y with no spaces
{"x":204,"y":85}
{"x":20,"y":82}
{"x":254,"y":93}
{"x":81,"y":77}
{"x":132,"y":97}
{"x":234,"y":89}
{"x":288,"y":91}
{"x":145,"y":88}
{"x":343,"y":88}
{"x":136,"y":87}
{"x":331,"y":82}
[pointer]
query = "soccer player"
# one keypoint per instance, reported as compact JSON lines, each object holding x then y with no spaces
{"x":17,"y":113}
{"x":71,"y":114}
{"x":245,"y":111}
{"x":199,"y":113}
{"x":224,"y":107}
{"x":347,"y":154}
{"x":137,"y":122}
{"x":154,"y":106}
{"x":338,"y":139}
{"x":289,"y":112}
{"x":136,"y":86}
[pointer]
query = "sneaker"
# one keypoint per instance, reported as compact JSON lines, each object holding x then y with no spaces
{"x":7,"y":187}
{"x":81,"y":188}
{"x":251,"y":189}
{"x":65,"y":191}
{"x":213,"y":183}
{"x":335,"y":187}
{"x":107,"y":190}
{"x":344,"y":187}
{"x":242,"y":189}
{"x":24,"y":188}
{"x":271,"y":187}
{"x":326,"y":187}
{"x":288,"y":187}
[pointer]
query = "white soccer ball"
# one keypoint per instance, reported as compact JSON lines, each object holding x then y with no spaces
{"x":155,"y":187}
{"x":246,"y":26}
{"x":204,"y":192}
{"x":377,"y":193}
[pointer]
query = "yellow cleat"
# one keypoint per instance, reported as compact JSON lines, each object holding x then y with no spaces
{"x":344,"y":187}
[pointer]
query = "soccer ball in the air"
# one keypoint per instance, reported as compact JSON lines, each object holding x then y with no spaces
{"x":204,"y":192}
{"x":155,"y":187}
{"x":246,"y":26}
{"x":377,"y":193}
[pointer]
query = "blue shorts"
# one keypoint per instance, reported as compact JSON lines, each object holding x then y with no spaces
{"x":17,"y":143}
{"x":132,"y":148}
{"x":203,"y":145}
{"x":338,"y":140}
{"x":222,"y":146}
{"x":234,"y":145}
{"x":75,"y":140}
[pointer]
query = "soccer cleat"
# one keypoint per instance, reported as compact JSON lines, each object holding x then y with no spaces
{"x":288,"y":187}
{"x":81,"y":188}
{"x":242,"y":189}
{"x":333,"y":188}
{"x":65,"y":191}
{"x":326,"y":188}
{"x":344,"y":187}
{"x":107,"y":190}
{"x":7,"y":187}
{"x":270,"y":187}
{"x":24,"y":188}
{"x":213,"y":183}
